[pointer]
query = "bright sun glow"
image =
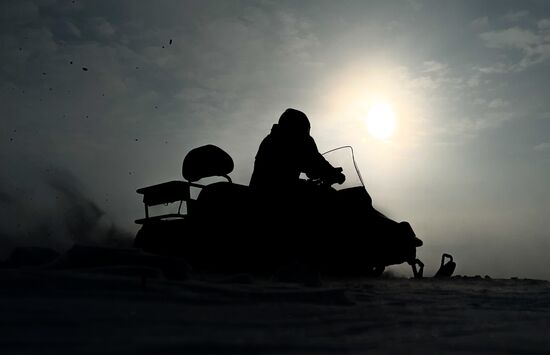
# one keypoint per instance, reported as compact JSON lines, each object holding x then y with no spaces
{"x":381,"y":121}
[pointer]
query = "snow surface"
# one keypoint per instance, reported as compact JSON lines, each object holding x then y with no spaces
{"x":101,"y":311}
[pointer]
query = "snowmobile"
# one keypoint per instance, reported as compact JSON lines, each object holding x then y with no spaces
{"x":224,"y":227}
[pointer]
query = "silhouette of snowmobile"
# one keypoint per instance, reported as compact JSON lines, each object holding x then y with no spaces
{"x":225,"y":230}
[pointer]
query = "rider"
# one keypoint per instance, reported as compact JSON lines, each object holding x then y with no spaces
{"x":284,"y":154}
{"x":281,"y":195}
{"x":287,"y":152}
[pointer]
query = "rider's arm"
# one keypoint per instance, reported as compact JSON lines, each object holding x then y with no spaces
{"x":317,"y":167}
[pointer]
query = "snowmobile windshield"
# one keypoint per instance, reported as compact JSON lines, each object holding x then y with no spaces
{"x":344,"y":158}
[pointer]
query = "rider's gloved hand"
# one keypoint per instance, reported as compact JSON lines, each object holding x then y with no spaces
{"x":339,"y":177}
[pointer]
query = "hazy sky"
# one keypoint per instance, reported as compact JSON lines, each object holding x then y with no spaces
{"x":95,"y":95}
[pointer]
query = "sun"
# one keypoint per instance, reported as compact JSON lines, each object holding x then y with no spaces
{"x":381,"y":121}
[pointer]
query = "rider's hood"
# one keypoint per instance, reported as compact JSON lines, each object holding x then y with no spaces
{"x":280,"y":131}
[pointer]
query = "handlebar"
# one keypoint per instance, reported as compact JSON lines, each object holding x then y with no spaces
{"x":336,"y":178}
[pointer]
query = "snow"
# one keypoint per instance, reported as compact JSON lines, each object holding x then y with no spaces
{"x":101,"y":311}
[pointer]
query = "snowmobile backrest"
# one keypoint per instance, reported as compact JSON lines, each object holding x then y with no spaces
{"x":206,"y":161}
{"x":201,"y":162}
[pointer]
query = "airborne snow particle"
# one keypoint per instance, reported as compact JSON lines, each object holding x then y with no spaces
{"x":84,"y":68}
{"x":170,"y":41}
